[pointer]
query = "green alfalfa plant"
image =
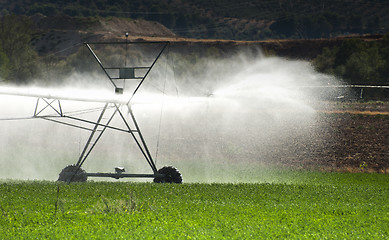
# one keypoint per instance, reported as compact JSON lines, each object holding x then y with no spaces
{"x":363,"y":166}
{"x":130,"y":204}
{"x":58,"y":203}
{"x":3,"y":212}
{"x":106,"y":205}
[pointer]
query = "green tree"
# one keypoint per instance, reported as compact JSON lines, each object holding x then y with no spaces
{"x":15,"y":38}
{"x":373,"y":25}
{"x":357,"y":62}
{"x":348,"y":48}
{"x":3,"y":65}
{"x":286,"y":25}
{"x":384,"y":52}
{"x":363,"y":67}
{"x":355,"y":24}
{"x":325,"y":62}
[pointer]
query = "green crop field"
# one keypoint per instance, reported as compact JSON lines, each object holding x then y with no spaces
{"x":299,"y":205}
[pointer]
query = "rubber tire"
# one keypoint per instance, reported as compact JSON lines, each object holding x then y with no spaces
{"x":172,"y":175}
{"x":67,"y":174}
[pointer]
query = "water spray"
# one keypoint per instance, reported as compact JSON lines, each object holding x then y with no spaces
{"x":256,"y":114}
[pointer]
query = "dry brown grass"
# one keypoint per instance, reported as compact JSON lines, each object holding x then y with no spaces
{"x":372,"y":113}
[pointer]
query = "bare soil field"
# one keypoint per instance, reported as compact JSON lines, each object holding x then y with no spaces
{"x":355,"y":139}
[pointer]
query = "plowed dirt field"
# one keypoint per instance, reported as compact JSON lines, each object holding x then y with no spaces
{"x":355,"y":138}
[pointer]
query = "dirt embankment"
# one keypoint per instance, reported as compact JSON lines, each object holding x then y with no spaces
{"x":303,"y":49}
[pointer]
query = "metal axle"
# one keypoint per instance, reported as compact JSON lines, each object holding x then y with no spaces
{"x":123,"y":175}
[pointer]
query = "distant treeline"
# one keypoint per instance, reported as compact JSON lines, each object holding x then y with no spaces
{"x":20,"y":62}
{"x":357,"y":61}
{"x":229,"y":19}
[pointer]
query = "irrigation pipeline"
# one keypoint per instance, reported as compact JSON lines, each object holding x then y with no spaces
{"x":16,"y":118}
{"x":347,"y":86}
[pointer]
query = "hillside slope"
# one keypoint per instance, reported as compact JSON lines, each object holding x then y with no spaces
{"x":63,"y":35}
{"x":229,"y":19}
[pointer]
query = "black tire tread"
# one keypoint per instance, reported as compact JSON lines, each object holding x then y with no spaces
{"x":67,"y":174}
{"x":172,"y":175}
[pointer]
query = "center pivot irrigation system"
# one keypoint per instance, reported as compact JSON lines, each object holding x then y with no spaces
{"x":117,"y":76}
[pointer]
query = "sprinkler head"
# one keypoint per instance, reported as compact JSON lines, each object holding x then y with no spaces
{"x":119,"y":170}
{"x":209,"y":94}
{"x":119,"y":90}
